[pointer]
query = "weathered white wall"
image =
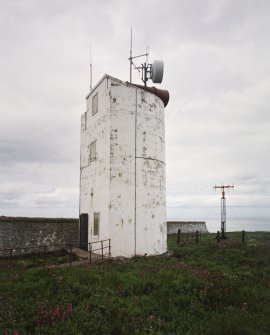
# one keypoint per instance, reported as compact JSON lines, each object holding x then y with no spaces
{"x":95,"y":175}
{"x":128,"y":178}
{"x":151,"y":224}
{"x":122,"y":172}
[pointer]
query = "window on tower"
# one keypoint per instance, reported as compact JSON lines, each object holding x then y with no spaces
{"x":95,"y":104}
{"x":93,"y":151}
{"x":96,"y":223}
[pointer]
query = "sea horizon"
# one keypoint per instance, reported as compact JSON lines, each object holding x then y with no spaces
{"x":237,"y":218}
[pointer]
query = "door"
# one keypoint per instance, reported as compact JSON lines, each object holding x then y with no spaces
{"x":84,"y":231}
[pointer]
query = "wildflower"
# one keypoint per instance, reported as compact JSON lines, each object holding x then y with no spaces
{"x":57,"y":311}
{"x":245,"y":306}
{"x":67,"y":312}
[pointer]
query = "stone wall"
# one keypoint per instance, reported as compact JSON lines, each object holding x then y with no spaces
{"x":186,"y":227}
{"x":18,"y":232}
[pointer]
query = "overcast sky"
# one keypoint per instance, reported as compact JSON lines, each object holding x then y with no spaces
{"x":217,"y":70}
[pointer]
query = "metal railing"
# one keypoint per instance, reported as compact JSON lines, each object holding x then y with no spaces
{"x":103,"y":251}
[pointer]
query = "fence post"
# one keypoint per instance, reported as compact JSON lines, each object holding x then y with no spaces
{"x":10,"y":257}
{"x":70,"y":255}
{"x":178,"y":236}
{"x":218,"y":236}
{"x":109,"y":248}
{"x":102,"y":250}
{"x":243,"y":237}
{"x":187,"y":237}
{"x":197,"y":236}
{"x":44,"y":255}
{"x":90,"y":253}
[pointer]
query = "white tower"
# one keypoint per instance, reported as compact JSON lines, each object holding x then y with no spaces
{"x":122,"y":169}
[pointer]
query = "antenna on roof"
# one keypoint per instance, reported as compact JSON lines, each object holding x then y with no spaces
{"x":149,"y":71}
{"x":130,"y":57}
{"x":91,"y":68}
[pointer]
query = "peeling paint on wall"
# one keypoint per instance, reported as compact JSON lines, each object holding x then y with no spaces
{"x":128,"y":177}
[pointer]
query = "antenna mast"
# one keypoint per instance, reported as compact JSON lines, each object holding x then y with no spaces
{"x":152,"y":71}
{"x":223,"y":208}
{"x":90,"y":69}
{"x":146,"y":68}
{"x":130,"y":57}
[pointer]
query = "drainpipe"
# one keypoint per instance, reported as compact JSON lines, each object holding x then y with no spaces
{"x":135,"y":203}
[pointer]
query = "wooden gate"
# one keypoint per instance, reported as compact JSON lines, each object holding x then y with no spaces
{"x":84,"y":231}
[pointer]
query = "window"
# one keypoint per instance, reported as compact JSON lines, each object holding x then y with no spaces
{"x":93,"y":151}
{"x":85,"y":120}
{"x":95,"y":104}
{"x":96,"y":223}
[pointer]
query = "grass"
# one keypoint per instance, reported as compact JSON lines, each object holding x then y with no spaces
{"x":204,"y":289}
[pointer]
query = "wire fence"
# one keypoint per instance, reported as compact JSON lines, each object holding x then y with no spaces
{"x":54,"y":255}
{"x":197,"y":237}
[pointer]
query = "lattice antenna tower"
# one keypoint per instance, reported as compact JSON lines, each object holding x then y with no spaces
{"x":223,"y":208}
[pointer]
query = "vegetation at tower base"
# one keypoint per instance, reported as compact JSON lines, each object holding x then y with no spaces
{"x":209,"y":288}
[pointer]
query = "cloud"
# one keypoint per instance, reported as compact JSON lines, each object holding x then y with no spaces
{"x":216,"y":68}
